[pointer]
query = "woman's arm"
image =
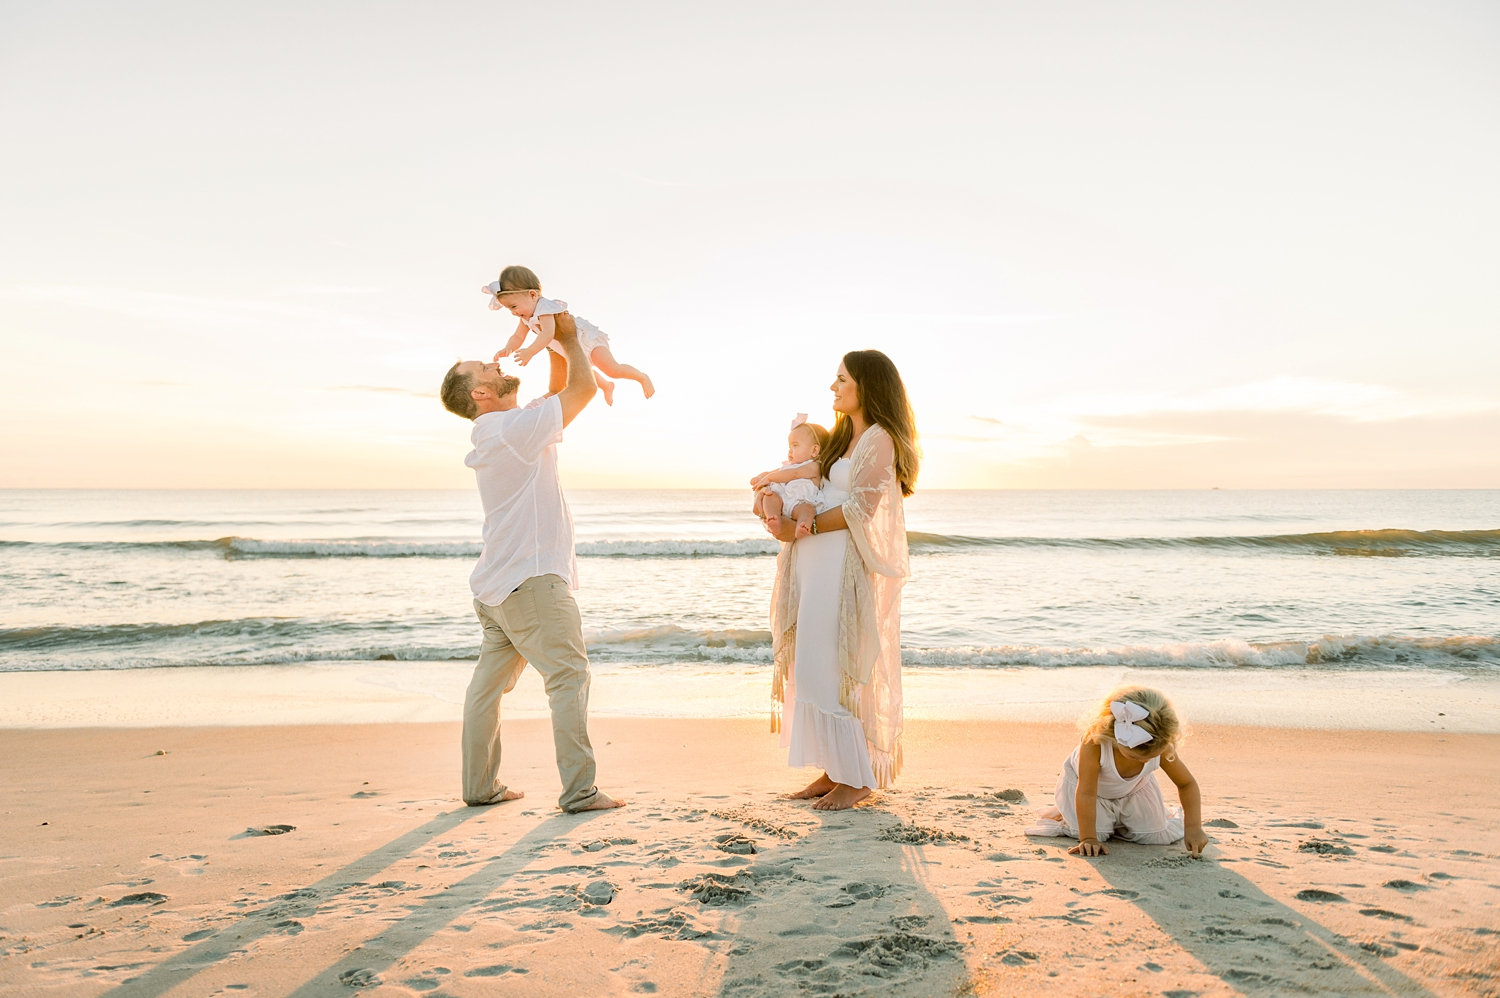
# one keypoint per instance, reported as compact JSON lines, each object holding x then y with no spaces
{"x":1086,"y":802}
{"x":1192,"y":804}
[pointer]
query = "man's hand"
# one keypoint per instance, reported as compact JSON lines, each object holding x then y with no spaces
{"x":579,"y":387}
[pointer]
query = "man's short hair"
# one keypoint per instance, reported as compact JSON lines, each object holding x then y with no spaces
{"x":455,"y":393}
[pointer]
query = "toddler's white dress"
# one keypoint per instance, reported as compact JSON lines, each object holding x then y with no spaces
{"x":1130,"y":810}
{"x":590,"y":336}
{"x":800,"y":490}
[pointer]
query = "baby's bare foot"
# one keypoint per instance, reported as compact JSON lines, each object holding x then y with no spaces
{"x":647,"y":387}
{"x":773,"y":523}
{"x":608,"y":388}
{"x":601,"y":802}
{"x":804,"y":527}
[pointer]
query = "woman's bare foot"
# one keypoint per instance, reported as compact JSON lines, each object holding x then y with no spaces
{"x":841,"y":798}
{"x":508,"y":795}
{"x":602,"y":802}
{"x":817,"y":788}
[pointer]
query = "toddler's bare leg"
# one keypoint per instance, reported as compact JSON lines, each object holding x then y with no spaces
{"x":770,"y":505}
{"x":803,"y":513}
{"x":605,"y":361}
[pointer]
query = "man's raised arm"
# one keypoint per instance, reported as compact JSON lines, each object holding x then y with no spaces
{"x":579,"y":388}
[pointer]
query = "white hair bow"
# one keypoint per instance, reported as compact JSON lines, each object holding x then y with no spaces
{"x":1127,"y":732}
{"x":493,"y":290}
{"x":801,"y":418}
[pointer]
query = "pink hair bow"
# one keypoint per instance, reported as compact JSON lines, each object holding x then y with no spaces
{"x":493,"y":290}
{"x":801,"y":418}
{"x":1127,"y":732}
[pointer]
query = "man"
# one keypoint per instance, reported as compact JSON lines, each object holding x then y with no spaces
{"x":526,"y":571}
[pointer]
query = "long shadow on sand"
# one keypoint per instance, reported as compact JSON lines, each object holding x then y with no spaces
{"x":832,"y":931}
{"x":1253,"y":943}
{"x":268,"y":921}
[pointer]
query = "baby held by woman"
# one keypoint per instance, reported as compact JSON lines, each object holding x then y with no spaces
{"x":794,"y":488}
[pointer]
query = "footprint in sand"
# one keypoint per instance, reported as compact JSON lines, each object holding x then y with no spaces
{"x":1018,"y":957}
{"x":266,"y":830}
{"x":715,"y":890}
{"x":918,"y":835}
{"x":1324,"y":847}
{"x":1322,"y":897}
{"x":360,"y":978}
{"x":1405,"y":886}
{"x":740,"y":845}
{"x":495,"y":970}
{"x":1386,"y":914}
{"x":145,"y":897}
{"x":58,"y":902}
{"x":1219,"y":823}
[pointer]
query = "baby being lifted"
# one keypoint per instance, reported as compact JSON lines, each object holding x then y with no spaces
{"x":794,"y":488}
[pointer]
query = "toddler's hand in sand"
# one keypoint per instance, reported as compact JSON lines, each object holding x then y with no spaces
{"x":1089,"y":847}
{"x":1196,"y":842}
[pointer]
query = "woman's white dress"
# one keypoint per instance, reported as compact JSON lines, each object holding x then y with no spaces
{"x":816,"y":728}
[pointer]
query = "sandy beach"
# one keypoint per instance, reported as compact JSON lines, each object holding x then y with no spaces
{"x":325,"y":859}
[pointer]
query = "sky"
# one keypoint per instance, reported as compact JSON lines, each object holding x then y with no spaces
{"x":1107,"y":245}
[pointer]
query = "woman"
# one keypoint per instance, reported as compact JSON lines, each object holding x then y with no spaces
{"x":836,"y":606}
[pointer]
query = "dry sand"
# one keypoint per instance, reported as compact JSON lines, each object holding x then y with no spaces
{"x":134,"y":862}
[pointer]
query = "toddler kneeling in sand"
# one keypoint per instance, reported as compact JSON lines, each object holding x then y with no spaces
{"x":794,"y":488}
{"x":1106,"y":788}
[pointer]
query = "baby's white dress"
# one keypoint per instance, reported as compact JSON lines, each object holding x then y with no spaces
{"x":1131,"y":810}
{"x":800,"y":490}
{"x":590,"y":336}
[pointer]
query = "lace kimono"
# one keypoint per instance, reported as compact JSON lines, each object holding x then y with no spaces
{"x":869,"y":625}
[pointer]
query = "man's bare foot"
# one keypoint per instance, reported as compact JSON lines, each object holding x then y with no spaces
{"x":602,"y":802}
{"x":508,"y":795}
{"x":773,"y":523}
{"x":817,"y":788}
{"x":647,"y":387}
{"x":608,"y":388}
{"x":841,"y":798}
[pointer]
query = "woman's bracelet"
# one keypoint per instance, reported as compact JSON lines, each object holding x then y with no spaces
{"x":815,"y":523}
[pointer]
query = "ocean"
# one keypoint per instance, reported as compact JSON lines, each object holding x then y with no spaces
{"x":1274,"y":580}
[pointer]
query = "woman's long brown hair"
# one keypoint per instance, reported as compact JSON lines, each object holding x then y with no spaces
{"x":882,"y":396}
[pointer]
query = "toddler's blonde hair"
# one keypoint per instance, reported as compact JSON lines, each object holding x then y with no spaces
{"x":518,"y":278}
{"x":1161,"y":721}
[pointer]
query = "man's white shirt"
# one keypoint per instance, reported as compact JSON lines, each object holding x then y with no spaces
{"x":528,"y":530}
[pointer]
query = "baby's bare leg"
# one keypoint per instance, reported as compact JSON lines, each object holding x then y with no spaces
{"x":606,"y":387}
{"x":605,"y":361}
{"x":770,"y":505}
{"x":803,"y":513}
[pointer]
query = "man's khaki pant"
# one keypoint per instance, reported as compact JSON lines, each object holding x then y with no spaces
{"x":538,"y":623}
